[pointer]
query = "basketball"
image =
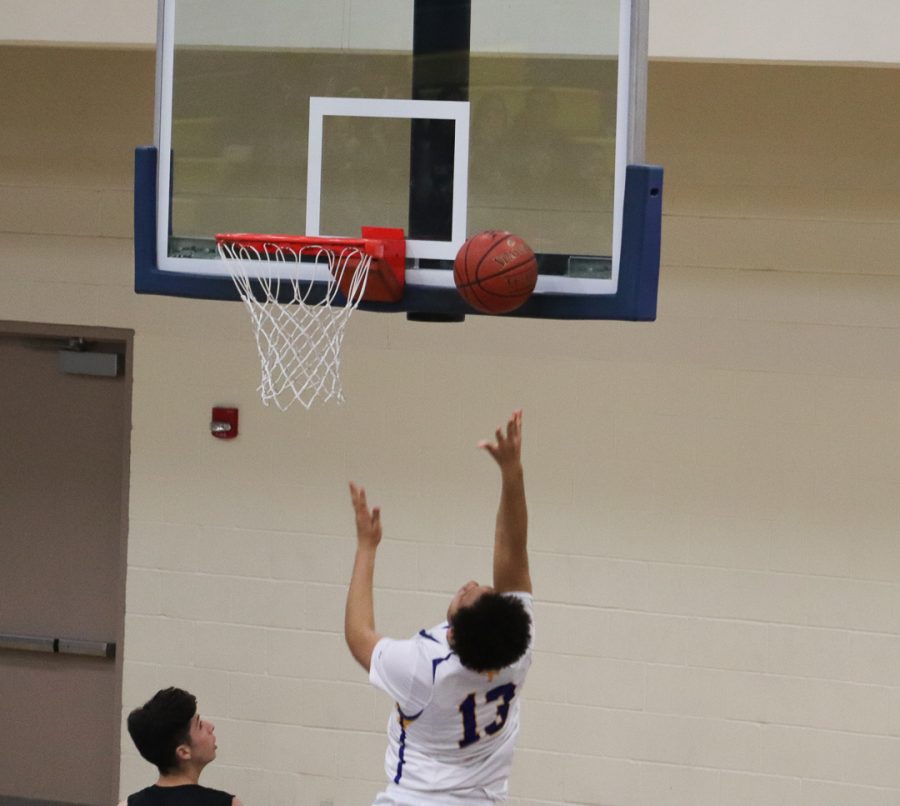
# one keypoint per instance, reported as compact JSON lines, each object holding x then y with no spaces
{"x":495,"y":271}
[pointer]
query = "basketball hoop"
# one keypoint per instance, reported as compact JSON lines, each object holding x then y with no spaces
{"x":300,"y":293}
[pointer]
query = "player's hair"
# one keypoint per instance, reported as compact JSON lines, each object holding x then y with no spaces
{"x":492,"y":633}
{"x":161,"y":724}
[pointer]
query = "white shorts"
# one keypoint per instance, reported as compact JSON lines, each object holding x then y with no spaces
{"x":399,"y":796}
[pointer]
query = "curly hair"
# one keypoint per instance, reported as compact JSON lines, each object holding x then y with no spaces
{"x":492,"y":633}
{"x":161,"y":724}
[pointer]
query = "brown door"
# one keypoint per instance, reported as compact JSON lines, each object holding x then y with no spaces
{"x":64,"y":446}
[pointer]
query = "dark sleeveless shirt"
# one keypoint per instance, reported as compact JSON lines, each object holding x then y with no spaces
{"x":186,"y":795}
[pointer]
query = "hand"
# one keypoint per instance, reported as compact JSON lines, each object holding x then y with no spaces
{"x":368,"y":522}
{"x":507,"y":452}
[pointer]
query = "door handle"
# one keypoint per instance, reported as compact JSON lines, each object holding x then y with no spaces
{"x":58,"y":646}
{"x":93,"y":649}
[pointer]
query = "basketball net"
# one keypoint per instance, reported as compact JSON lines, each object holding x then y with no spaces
{"x":297,"y":325}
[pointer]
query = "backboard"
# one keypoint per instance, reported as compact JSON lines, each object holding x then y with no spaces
{"x":441,"y":117}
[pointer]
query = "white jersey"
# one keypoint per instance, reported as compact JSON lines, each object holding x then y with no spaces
{"x":453,"y":731}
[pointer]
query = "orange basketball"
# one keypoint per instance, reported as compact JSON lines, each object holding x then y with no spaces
{"x":495,"y":271}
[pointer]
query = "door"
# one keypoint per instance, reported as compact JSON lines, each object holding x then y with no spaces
{"x":64,"y":454}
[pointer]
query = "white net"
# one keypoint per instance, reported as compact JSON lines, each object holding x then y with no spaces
{"x":298,"y":323}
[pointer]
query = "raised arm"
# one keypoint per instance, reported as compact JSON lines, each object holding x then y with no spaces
{"x":511,"y":533}
{"x":359,"y":615}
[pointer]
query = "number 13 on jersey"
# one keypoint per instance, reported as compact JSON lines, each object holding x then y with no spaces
{"x":504,"y":694}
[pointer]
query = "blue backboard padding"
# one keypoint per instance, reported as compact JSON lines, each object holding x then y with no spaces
{"x":638,"y":261}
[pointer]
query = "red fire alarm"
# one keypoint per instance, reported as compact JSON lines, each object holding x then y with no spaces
{"x":224,"y":423}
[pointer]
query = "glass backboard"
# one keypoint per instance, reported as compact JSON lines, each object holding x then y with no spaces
{"x":441,"y":117}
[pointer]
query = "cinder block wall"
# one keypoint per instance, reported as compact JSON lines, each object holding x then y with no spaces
{"x":714,"y":513}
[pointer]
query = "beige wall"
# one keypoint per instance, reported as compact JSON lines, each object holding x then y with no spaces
{"x":713,"y":496}
{"x":776,"y":30}
{"x":764,"y":30}
{"x":110,"y":22}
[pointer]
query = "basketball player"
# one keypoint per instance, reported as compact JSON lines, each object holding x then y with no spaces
{"x":456,"y":685}
{"x":168,"y":732}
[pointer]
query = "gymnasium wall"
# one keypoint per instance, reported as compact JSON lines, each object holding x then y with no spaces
{"x":765,"y":30}
{"x":713,"y":502}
